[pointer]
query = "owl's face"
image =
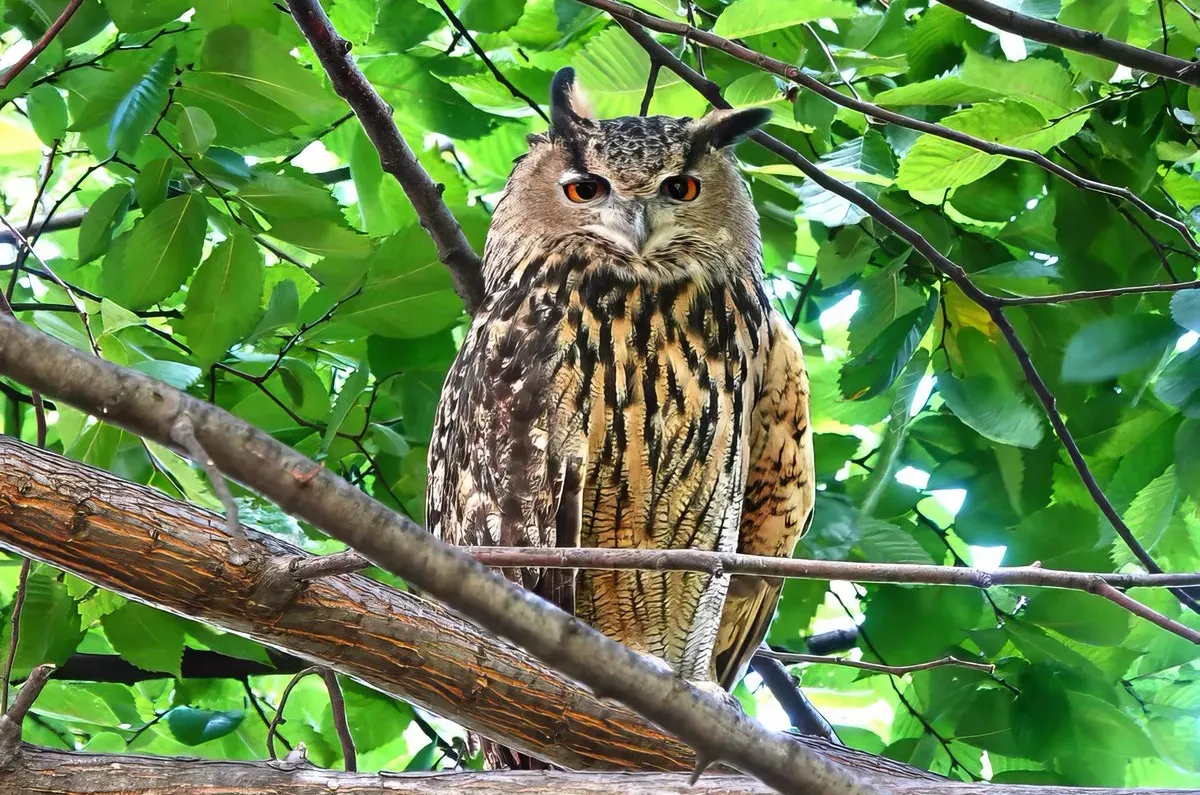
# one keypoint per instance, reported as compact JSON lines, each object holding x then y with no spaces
{"x":660,"y":194}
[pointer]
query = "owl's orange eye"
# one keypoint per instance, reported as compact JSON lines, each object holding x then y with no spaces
{"x":585,"y":190}
{"x":681,"y":188}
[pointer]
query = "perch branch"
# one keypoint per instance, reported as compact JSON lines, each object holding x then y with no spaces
{"x":711,"y":727}
{"x":940,"y":261}
{"x":1085,"y":41}
{"x":394,"y":153}
{"x":41,"y":44}
{"x":625,"y":13}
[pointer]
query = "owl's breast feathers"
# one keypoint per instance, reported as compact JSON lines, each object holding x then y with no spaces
{"x":683,"y":408}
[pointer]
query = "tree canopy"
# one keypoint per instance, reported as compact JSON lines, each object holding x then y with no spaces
{"x":185,"y":193}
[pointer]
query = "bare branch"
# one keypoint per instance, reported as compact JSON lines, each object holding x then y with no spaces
{"x":394,"y":153}
{"x":41,"y":44}
{"x":940,"y":261}
{"x":1138,"y":609}
{"x":461,"y":31}
{"x":144,"y":545}
{"x":183,"y":434}
{"x":1089,"y":295}
{"x":894,"y":670}
{"x":14,"y":716}
{"x":620,"y":11}
{"x":651,"y":82}
{"x":15,"y":630}
{"x":1085,"y":41}
{"x":804,"y":717}
{"x":801,"y":568}
{"x":279,"y":720}
{"x":338,"y":704}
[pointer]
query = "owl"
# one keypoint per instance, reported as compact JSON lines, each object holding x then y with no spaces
{"x":627,"y":384}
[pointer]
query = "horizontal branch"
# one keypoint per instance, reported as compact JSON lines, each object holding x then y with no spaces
{"x":1085,"y":41}
{"x":144,"y":545}
{"x":1091,"y":295}
{"x":790,"y":658}
{"x":394,"y":153}
{"x":800,"y":568}
{"x":73,"y":773}
{"x":789,"y":72}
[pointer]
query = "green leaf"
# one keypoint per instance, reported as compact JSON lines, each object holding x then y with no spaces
{"x":148,"y":638}
{"x":1107,"y":17}
{"x":991,"y":407}
{"x":613,"y":70}
{"x":223,"y":302}
{"x":749,"y":17}
{"x":858,"y":160}
{"x":874,"y":370}
{"x":192,"y":726}
{"x":282,"y":308}
{"x":116,"y":317}
{"x":408,"y":292}
{"x":935,"y":163}
{"x":163,"y":250}
{"x":355,"y":383}
{"x":47,"y":112}
{"x":50,"y":627}
{"x":1107,"y":348}
{"x":132,"y":16}
{"x":886,"y":543}
{"x":1078,"y":615}
{"x":491,"y":16}
{"x":1187,"y":457}
{"x":196,"y":131}
{"x":177,"y":374}
{"x":403,"y":24}
{"x":1185,"y":309}
{"x":1179,"y":382}
{"x":423,"y":759}
{"x":102,"y":219}
{"x":150,"y":186}
{"x":136,"y":112}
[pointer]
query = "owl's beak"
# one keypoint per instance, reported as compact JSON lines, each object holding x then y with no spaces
{"x":628,"y":222}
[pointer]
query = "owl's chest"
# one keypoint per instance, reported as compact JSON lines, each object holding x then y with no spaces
{"x":660,"y":385}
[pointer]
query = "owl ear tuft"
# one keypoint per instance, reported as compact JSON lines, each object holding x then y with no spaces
{"x":720,"y":128}
{"x":568,"y":107}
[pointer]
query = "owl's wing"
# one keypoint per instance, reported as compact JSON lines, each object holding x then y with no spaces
{"x":780,"y":490}
{"x":499,"y":462}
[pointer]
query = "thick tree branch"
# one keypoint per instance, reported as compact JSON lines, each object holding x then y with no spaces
{"x":144,"y":545}
{"x":621,"y":11}
{"x":955,"y":272}
{"x":394,"y":153}
{"x":1085,"y":41}
{"x":67,"y":773}
{"x":41,"y":44}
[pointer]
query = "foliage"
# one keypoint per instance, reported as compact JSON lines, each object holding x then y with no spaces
{"x":241,"y":240}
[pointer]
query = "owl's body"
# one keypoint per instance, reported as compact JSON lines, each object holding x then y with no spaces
{"x":626,"y":384}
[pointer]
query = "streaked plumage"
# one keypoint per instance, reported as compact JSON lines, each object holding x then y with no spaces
{"x":626,"y":383}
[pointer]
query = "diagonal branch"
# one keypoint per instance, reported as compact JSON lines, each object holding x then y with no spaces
{"x":714,"y":729}
{"x":41,"y":44}
{"x":940,"y":261}
{"x":394,"y":153}
{"x":1085,"y":41}
{"x":787,"y":71}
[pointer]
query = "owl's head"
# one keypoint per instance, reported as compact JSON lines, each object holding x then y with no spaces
{"x":660,"y":195}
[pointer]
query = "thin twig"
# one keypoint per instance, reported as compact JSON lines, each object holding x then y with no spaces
{"x":1090,"y":295}
{"x":806,"y":569}
{"x":15,"y":631}
{"x":24,"y":250}
{"x":11,"y":720}
{"x":279,"y":720}
{"x":41,"y":44}
{"x":1110,"y":593}
{"x":461,"y":30}
{"x":338,"y":704}
{"x":1085,"y":41}
{"x":184,"y":435}
{"x":333,"y":565}
{"x":832,"y":63}
{"x":789,"y":72}
{"x":394,"y":153}
{"x":947,"y":266}
{"x":895,"y":670}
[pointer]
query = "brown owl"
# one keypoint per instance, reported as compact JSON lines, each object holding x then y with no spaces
{"x":627,"y":384}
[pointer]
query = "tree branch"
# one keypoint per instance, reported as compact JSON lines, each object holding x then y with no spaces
{"x":41,"y":44}
{"x":1085,"y":41}
{"x":940,"y":261}
{"x":895,"y":670}
{"x":394,"y":153}
{"x":74,"y":773}
{"x":136,"y":541}
{"x":620,"y":11}
{"x":803,"y":716}
{"x":1089,"y":295}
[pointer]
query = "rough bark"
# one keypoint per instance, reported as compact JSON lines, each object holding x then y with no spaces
{"x":136,"y":541}
{"x":62,"y":773}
